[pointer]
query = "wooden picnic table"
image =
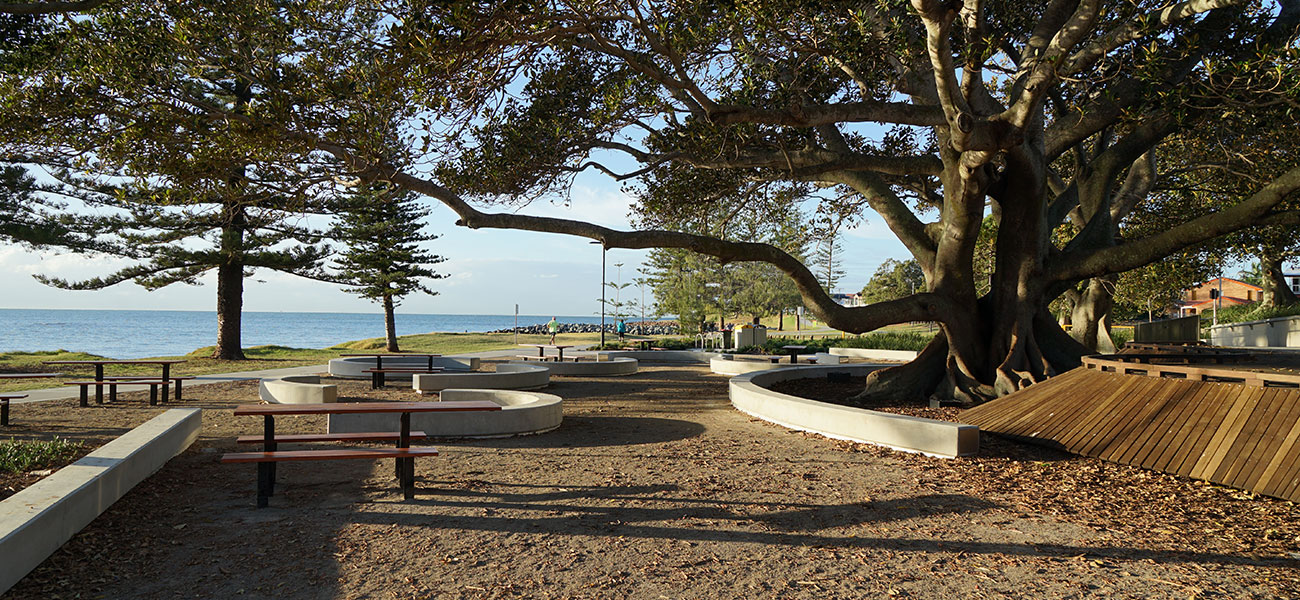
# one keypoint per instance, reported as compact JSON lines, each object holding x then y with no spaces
{"x":541,"y":350}
{"x":405,"y":464}
{"x":166,"y":364}
{"x":794,"y":352}
{"x":379,"y":357}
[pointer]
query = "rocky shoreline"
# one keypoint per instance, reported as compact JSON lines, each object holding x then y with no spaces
{"x":633,"y":328}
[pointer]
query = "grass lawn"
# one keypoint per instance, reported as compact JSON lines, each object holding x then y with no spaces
{"x":268,"y":357}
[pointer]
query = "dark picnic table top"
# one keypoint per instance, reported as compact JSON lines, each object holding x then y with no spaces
{"x":142,"y":361}
{"x":387,"y":354}
{"x":363,"y":407}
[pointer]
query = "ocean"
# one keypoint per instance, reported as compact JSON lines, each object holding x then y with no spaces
{"x":142,"y":333}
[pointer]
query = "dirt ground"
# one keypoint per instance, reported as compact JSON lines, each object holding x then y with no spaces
{"x":655,"y":487}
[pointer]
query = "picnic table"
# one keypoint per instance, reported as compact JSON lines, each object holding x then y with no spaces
{"x":403,"y":453}
{"x":5,"y":398}
{"x":794,"y":352}
{"x":379,"y":357}
{"x":100,"y":380}
{"x":541,"y":350}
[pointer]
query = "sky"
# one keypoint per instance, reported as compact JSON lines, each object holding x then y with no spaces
{"x":489,"y":271}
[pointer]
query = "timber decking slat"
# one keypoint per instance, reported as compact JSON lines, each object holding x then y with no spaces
{"x":1116,"y":429}
{"x":1285,"y":404}
{"x":1273,"y":474}
{"x":1113,"y":388}
{"x":1233,"y":434}
{"x":1146,"y":425}
{"x":1223,"y":438}
{"x":1087,"y":402}
{"x":1176,"y":429}
{"x":1249,"y":438}
{"x":1120,"y":407}
{"x":1203,"y":428}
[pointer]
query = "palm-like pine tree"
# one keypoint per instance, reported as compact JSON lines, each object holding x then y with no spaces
{"x":383,"y":261}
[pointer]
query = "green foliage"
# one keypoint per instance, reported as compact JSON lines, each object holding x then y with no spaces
{"x":1240,"y":313}
{"x":894,"y":279}
{"x":887,"y":340}
{"x":22,"y":456}
{"x":828,"y":259}
{"x":380,"y":226}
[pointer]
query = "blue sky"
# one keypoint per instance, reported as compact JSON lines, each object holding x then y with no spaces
{"x":490,"y":270}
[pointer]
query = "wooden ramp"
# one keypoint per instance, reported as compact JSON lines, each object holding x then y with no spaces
{"x":1231,"y":434}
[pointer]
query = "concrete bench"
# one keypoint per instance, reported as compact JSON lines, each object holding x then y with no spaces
{"x":297,"y":389}
{"x":508,"y":376}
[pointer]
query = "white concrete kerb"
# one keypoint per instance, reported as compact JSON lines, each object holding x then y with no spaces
{"x":39,"y":519}
{"x":750,"y":394}
{"x":522,"y":413}
{"x":508,"y":376}
{"x":297,"y":389}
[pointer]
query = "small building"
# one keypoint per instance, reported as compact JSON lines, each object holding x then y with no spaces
{"x":1234,"y":292}
{"x":850,"y":300}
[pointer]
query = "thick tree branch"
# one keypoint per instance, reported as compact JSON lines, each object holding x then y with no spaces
{"x":46,"y":8}
{"x":1075,"y":266}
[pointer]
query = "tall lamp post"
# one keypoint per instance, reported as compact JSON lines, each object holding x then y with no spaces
{"x":602,"y":292}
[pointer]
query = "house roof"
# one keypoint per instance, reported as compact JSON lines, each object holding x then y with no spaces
{"x":1214,"y":281}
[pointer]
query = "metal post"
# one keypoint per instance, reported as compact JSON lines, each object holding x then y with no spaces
{"x":516,"y":324}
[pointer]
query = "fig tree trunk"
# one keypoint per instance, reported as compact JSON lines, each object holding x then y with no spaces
{"x":1277,"y":292}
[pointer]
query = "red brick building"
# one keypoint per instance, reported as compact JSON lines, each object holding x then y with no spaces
{"x":1197,"y":299}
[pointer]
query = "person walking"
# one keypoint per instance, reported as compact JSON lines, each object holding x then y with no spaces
{"x":621,"y":329}
{"x":554,"y":328}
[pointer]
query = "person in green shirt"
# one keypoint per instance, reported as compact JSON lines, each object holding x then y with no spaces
{"x":554,"y":328}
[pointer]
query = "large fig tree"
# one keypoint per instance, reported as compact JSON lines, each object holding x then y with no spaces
{"x":1040,"y":125}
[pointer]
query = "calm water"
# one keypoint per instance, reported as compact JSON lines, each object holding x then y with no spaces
{"x":140,"y":333}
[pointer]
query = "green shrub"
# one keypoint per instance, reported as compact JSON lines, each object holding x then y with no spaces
{"x":22,"y":456}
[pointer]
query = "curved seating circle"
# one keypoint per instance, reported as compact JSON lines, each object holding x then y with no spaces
{"x":521,"y":413}
{"x":605,"y":368}
{"x":739,"y":364}
{"x":297,"y":389}
{"x":750,"y":394}
{"x":508,"y":376}
{"x":354,"y":367}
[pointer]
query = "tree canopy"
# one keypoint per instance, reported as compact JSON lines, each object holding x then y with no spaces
{"x":1042,"y":126}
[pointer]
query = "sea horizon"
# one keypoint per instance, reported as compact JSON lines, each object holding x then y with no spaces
{"x":137,"y":333}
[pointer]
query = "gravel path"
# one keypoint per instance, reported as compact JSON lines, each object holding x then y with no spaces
{"x":655,"y":488}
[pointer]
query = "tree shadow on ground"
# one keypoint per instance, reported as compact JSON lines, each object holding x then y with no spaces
{"x":592,"y":431}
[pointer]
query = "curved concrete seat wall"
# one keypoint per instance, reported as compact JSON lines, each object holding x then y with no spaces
{"x":671,"y":356}
{"x":605,"y":368}
{"x":508,"y":376}
{"x":749,"y":394}
{"x":874,"y":354}
{"x":521,"y":413}
{"x":297,"y":389}
{"x":738,"y":364}
{"x":354,"y":367}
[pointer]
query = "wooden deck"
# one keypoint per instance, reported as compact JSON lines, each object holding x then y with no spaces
{"x":1241,"y":436}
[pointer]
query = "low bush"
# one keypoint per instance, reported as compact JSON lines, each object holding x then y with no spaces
{"x":21,"y":456}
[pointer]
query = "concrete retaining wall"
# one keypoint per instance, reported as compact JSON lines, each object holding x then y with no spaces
{"x":39,"y":519}
{"x":874,"y":354}
{"x":297,"y":389}
{"x":354,"y":367}
{"x":521,"y":413}
{"x":508,"y":376}
{"x":605,"y":368}
{"x":750,"y":395}
{"x":1282,"y":332}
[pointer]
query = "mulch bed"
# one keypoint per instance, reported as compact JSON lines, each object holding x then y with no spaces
{"x":656,"y":487}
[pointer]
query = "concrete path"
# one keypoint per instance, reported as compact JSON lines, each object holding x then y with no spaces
{"x":66,"y":392}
